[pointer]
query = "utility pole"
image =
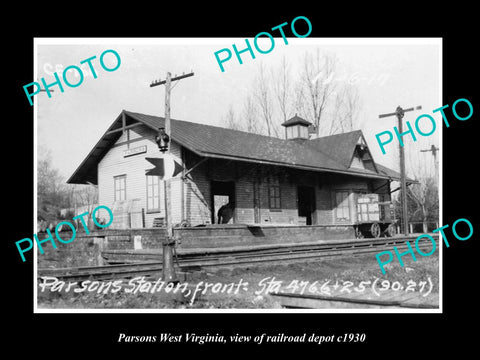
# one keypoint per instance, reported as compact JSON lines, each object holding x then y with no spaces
{"x":434,"y":150}
{"x":399,"y":113}
{"x":163,"y":141}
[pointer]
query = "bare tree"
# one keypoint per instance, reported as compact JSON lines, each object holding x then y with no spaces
{"x":282,"y":89}
{"x":299,"y":103}
{"x":263,"y":97}
{"x":346,"y":109}
{"x":317,"y":81}
{"x":315,"y":95}
{"x":423,"y":196}
{"x":85,"y":196}
{"x":52,"y":192}
{"x":231,"y":120}
{"x":247,"y":120}
{"x":249,"y":115}
{"x":49,"y":181}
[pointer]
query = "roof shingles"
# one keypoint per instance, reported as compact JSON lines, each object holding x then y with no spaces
{"x":207,"y":139}
{"x":322,"y":154}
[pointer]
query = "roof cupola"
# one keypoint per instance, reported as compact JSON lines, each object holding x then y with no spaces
{"x":296,"y":128}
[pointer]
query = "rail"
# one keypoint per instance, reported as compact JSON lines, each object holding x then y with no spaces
{"x":309,"y":301}
{"x":234,"y":257}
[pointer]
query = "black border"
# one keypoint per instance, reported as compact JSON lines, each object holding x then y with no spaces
{"x":395,"y":333}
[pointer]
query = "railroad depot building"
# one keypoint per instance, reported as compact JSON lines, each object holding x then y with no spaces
{"x":292,"y":181}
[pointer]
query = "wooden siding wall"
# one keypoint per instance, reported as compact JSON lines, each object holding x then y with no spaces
{"x":134,"y":167}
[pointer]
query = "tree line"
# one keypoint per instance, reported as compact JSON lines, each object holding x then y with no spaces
{"x":314,"y":92}
{"x":55,"y":195}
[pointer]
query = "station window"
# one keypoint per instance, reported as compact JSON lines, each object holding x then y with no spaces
{"x":153,"y":193}
{"x":290,"y":132}
{"x":297,"y":131}
{"x":342,"y":206}
{"x":274,"y":197}
{"x":119,"y":187}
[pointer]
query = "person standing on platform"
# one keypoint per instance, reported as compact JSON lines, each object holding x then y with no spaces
{"x":225,"y":213}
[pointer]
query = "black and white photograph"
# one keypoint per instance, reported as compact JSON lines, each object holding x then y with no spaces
{"x":193,"y":183}
{"x":282,"y":183}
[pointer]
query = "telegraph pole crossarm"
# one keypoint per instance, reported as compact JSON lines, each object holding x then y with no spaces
{"x":433,"y":149}
{"x":161,"y":82}
{"x":400,"y":113}
{"x":400,"y":110}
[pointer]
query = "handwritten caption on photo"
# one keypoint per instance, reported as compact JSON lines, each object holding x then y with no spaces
{"x":265,"y":286}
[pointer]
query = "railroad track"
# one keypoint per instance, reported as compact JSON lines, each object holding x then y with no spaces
{"x":188,"y":261}
{"x":310,"y":301}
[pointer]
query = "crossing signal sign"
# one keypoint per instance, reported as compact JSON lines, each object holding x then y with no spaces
{"x":167,"y":167}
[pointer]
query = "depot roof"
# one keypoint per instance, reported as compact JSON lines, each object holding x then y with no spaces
{"x":328,"y":154}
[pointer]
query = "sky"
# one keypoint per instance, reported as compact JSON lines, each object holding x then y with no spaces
{"x":387,"y":72}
